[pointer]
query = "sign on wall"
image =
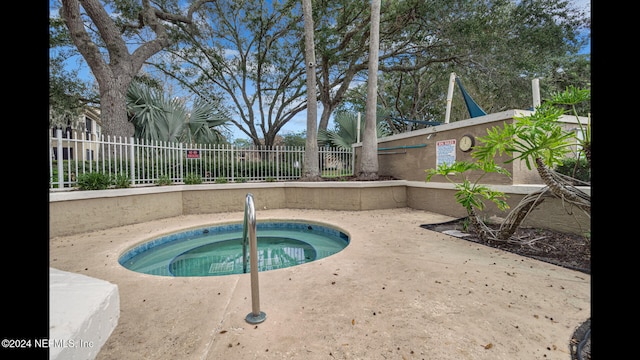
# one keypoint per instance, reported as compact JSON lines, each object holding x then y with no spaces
{"x":445,"y":152}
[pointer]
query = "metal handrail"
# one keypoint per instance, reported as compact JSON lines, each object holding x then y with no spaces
{"x":249,"y":224}
{"x":249,"y":234}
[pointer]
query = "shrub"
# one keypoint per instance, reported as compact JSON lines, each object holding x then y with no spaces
{"x":577,"y":169}
{"x":163,"y":180}
{"x":192,"y":179}
{"x":94,"y":181}
{"x":121,"y":181}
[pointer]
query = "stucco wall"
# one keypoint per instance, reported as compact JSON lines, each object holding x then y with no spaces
{"x":407,"y":156}
{"x":203,"y":199}
{"x":551,"y":214}
{"x":83,"y":211}
{"x":346,"y":195}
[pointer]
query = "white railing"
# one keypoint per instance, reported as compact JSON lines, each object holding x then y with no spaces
{"x":145,"y":163}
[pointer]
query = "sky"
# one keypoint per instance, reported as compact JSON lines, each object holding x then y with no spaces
{"x":299,"y":122}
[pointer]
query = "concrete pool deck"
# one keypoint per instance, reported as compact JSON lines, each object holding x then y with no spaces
{"x":397,"y":291}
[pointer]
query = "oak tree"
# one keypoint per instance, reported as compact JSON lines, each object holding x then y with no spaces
{"x":101,"y":31}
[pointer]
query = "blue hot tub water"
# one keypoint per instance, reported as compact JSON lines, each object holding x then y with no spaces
{"x":217,"y":250}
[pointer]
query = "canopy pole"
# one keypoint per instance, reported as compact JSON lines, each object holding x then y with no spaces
{"x":452,"y":83}
{"x":535,"y":87}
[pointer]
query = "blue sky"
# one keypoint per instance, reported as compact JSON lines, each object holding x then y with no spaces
{"x":299,"y":122}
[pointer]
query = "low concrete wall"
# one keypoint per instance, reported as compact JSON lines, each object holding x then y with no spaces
{"x":355,"y":195}
{"x":205,"y":199}
{"x":82,"y":211}
{"x":551,"y":214}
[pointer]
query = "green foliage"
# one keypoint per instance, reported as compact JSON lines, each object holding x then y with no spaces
{"x":471,"y":194}
{"x":221,"y":180}
{"x":571,"y":100}
{"x":163,"y":180}
{"x":577,"y":169}
{"x":249,"y":169}
{"x":332,"y":173}
{"x":570,"y":97}
{"x":539,"y":135}
{"x":296,"y":139}
{"x":345,"y":133}
{"x":465,"y":224}
{"x":192,"y":179}
{"x":156,"y":117}
{"x":121,"y":181}
{"x":497,"y":57}
{"x":68,"y":93}
{"x":94,"y":181}
{"x":66,"y":164}
{"x":242,"y":143}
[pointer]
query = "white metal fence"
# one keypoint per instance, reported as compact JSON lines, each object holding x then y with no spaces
{"x":146,"y":163}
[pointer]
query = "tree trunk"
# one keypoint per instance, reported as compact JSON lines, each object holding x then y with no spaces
{"x":113,"y":105}
{"x":518,"y":214}
{"x":369,"y":158}
{"x":569,"y":194}
{"x":327,"y":110}
{"x":310,"y":169}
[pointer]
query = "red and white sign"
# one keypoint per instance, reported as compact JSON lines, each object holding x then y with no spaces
{"x":193,"y":154}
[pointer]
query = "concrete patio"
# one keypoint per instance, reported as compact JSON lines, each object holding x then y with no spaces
{"x":397,"y":291}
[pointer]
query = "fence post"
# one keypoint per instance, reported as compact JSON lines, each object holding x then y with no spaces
{"x":277,"y":167}
{"x":353,"y":159}
{"x":181,"y":154}
{"x":60,"y":159}
{"x":132,"y":166}
{"x":233,"y":164}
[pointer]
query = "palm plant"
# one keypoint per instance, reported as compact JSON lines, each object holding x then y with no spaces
{"x":204,"y":123}
{"x":346,"y":131}
{"x":157,"y":118}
